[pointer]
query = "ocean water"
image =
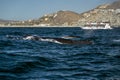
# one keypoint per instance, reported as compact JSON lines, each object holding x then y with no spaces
{"x":22,"y":59}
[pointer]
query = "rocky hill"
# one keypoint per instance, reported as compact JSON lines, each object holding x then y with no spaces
{"x":114,"y":5}
{"x":60,"y":18}
{"x":4,"y":21}
{"x":103,"y":13}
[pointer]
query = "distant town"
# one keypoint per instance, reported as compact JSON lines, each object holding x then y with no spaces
{"x":103,"y":13}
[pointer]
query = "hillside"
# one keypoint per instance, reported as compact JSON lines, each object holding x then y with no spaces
{"x":3,"y":21}
{"x":60,"y":18}
{"x":114,"y":5}
{"x":103,"y":13}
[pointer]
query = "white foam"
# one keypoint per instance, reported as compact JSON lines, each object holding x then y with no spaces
{"x":116,"y":40}
{"x":42,"y":39}
{"x":28,"y":38}
{"x":50,"y":40}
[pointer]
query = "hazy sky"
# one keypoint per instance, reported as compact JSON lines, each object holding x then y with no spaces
{"x":31,"y":9}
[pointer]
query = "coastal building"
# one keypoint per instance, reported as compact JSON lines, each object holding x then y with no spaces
{"x":117,"y":11}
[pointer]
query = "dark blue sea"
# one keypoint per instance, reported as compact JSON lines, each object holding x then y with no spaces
{"x":22,"y":59}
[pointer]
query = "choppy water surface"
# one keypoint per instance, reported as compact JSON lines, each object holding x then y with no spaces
{"x":43,"y":60}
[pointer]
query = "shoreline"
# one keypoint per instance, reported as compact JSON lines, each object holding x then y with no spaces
{"x":37,"y":26}
{"x":118,"y":26}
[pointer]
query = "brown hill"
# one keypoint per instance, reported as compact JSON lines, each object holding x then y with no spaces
{"x":114,"y":5}
{"x":60,"y":18}
{"x":4,"y":21}
{"x":66,"y":17}
{"x":102,"y":13}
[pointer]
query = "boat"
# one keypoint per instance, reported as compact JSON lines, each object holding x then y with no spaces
{"x":100,"y":25}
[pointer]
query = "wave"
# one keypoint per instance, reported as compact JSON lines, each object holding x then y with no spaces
{"x":116,"y":40}
{"x":14,"y":63}
{"x":8,"y":77}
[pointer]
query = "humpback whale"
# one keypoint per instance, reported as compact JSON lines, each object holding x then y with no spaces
{"x":57,"y":40}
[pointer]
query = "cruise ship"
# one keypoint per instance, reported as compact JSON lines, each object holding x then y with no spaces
{"x":100,"y":25}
